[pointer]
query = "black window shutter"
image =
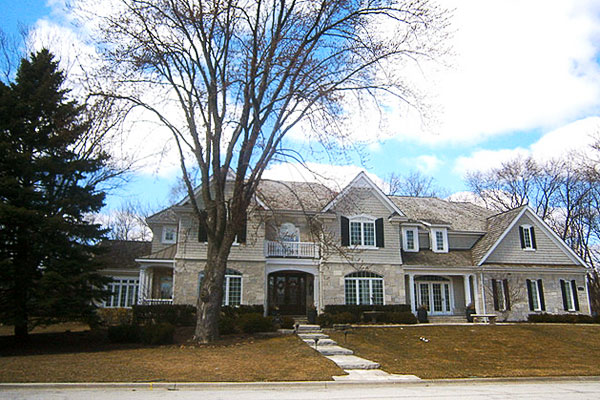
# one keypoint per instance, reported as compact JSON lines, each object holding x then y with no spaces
{"x":522,"y":238}
{"x":532,"y":234}
{"x":506,"y":295}
{"x":575,"y":296}
{"x":541,"y":291}
{"x":379,"y":232}
{"x":241,"y":236}
{"x":564,"y":295}
{"x":530,"y":295}
{"x":345,"y":231}
{"x":495,"y":294}
{"x":202,"y":236}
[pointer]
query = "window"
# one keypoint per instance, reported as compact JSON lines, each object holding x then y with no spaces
{"x":569,"y":295}
{"x":363,"y":287}
{"x":439,"y":240}
{"x":232,"y":287}
{"x":362,"y":232}
{"x":410,"y":238}
{"x":501,"y":294}
{"x":535,"y":292}
{"x":169,"y":234}
{"x":124,"y":292}
{"x":527,"y":234}
{"x":288,"y":232}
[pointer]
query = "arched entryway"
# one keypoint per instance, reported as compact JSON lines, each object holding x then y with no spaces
{"x":290,"y":292}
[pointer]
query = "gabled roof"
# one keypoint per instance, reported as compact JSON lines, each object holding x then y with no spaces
{"x":433,"y":211}
{"x":362,"y":180}
{"x":295,"y":196}
{"x":500,"y":224}
{"x":166,"y":216}
{"x":121,"y":254}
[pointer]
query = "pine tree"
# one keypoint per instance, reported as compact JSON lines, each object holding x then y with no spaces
{"x":47,"y":267}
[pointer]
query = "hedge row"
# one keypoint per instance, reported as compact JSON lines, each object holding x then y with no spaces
{"x":245,"y":323}
{"x":183,"y":314}
{"x":390,"y":317}
{"x":357,"y":310}
{"x":564,"y":318}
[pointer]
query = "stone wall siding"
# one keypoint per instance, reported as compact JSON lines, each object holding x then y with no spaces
{"x":519,"y":298}
{"x":186,"y":275}
{"x":333,"y":274}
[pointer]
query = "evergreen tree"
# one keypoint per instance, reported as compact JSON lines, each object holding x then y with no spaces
{"x":47,"y":267}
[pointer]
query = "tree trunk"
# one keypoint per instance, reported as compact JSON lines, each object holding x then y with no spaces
{"x":210,"y":299}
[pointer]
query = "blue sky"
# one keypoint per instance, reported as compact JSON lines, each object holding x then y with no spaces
{"x":524,"y":80}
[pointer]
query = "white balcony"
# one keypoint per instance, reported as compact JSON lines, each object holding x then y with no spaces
{"x":291,"y":249}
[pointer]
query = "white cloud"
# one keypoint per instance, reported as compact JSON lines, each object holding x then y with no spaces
{"x":427,"y":164}
{"x":576,"y":136}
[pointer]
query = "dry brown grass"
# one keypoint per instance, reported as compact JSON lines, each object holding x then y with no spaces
{"x":86,"y":357}
{"x":480,"y":351}
{"x":7,"y":330}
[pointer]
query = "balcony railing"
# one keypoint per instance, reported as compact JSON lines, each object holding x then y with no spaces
{"x":291,"y":249}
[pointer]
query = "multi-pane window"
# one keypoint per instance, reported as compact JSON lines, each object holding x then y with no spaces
{"x":410,"y":239}
{"x":569,"y":294}
{"x":362,"y":233}
{"x":439,"y":240}
{"x":363,"y":287}
{"x":500,"y":294}
{"x":232,"y":287}
{"x":527,"y":237}
{"x":536,"y":295}
{"x":169,"y":234}
{"x":124,"y":292}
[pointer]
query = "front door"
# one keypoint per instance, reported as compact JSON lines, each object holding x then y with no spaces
{"x":434,"y":295}
{"x":287,"y":293}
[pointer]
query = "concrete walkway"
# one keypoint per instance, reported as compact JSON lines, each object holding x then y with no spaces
{"x":358,"y":369}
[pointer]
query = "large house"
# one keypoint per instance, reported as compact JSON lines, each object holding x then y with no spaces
{"x":306,"y":246}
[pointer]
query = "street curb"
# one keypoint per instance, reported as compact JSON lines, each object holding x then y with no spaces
{"x":288,"y":385}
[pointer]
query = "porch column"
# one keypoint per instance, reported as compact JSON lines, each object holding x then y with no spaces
{"x":143,"y":285}
{"x":316,"y":291}
{"x":411,"y":288}
{"x":467,"y":284}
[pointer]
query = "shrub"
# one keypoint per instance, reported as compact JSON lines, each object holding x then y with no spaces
{"x":227,"y":325}
{"x":563,"y":318}
{"x":157,"y":334}
{"x":398,"y":318}
{"x":174,"y":314}
{"x":287,"y":322}
{"x":255,"y":322}
{"x":242,"y":309}
{"x":328,"y":320}
{"x":115,"y":316}
{"x":125,"y":333}
{"x":357,"y":310}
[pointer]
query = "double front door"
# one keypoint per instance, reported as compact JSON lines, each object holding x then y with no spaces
{"x":288,"y":292}
{"x":434,"y":295}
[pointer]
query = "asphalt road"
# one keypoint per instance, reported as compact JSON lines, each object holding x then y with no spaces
{"x":472,"y":390}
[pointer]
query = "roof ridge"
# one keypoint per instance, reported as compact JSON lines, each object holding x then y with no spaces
{"x":507,"y":211}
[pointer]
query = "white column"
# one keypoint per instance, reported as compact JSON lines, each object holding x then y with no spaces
{"x":316,"y":292}
{"x":476,"y":293}
{"x":467,"y":284}
{"x":142,"y":286}
{"x":411,"y":288}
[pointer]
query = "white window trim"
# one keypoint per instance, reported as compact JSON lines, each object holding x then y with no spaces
{"x":362,"y":219}
{"x":165,"y":229}
{"x":433,"y":240}
{"x":569,"y":289}
{"x":119,"y":281}
{"x":415,"y":231}
{"x":226,"y":284}
{"x":528,"y":246}
{"x":537,"y":294}
{"x":500,"y":287}
{"x":357,"y":290}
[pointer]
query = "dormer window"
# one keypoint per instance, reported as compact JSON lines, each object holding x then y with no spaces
{"x":169,"y":234}
{"x":410,"y":239}
{"x":439,"y":240}
{"x":527,"y":234}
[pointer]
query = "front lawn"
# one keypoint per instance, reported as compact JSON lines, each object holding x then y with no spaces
{"x":480,"y":350}
{"x":88,"y":357}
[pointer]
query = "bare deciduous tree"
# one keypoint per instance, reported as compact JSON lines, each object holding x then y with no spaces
{"x":229,"y":79}
{"x":414,"y":184}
